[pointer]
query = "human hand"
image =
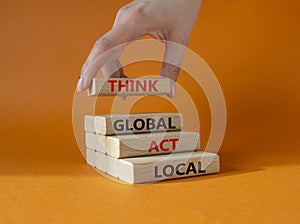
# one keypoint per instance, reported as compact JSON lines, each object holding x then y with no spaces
{"x":170,"y":21}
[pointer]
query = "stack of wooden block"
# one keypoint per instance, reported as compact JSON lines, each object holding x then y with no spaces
{"x":122,"y":146}
{"x":141,"y":148}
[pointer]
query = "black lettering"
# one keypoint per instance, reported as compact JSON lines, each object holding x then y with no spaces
{"x":191,"y":168}
{"x":150,"y":123}
{"x":118,"y":126}
{"x":177,"y":169}
{"x":135,"y":124}
{"x":127,"y":126}
{"x":156,"y":172}
{"x":199,"y":168}
{"x":168,"y":174}
{"x":170,"y":123}
{"x":161,"y":123}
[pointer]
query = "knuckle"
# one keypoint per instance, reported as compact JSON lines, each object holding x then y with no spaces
{"x":138,"y":13}
{"x":185,"y":41}
{"x":103,"y":43}
{"x":183,"y":38}
{"x":135,"y":13}
{"x":170,"y":70}
{"x":132,"y":13}
{"x":122,"y":11}
{"x":175,"y":69}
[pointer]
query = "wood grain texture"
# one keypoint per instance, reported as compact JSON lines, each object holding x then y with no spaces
{"x":123,"y":146}
{"x":129,"y":87}
{"x":111,"y":124}
{"x":156,"y":168}
{"x":102,"y":162}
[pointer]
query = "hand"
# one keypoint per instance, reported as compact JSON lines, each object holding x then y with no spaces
{"x":170,"y":21}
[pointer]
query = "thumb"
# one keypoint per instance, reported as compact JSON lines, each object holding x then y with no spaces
{"x":171,"y":64}
{"x":111,"y":42}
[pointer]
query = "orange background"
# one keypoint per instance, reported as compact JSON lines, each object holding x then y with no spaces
{"x":253,"y":48}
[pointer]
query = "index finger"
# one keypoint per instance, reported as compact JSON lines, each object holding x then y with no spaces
{"x":103,"y":49}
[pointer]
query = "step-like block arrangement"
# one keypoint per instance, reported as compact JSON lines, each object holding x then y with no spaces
{"x":142,"y":148}
{"x":129,"y":87}
{"x":155,"y":168}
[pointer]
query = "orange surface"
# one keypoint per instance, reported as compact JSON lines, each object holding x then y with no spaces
{"x":253,"y":47}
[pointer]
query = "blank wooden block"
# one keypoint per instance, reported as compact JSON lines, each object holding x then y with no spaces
{"x":129,"y":87}
{"x":90,"y":156}
{"x":95,"y":143}
{"x":107,"y":163}
{"x":123,"y":146}
{"x":161,"y":167}
{"x":89,"y":123}
{"x":112,"y":124}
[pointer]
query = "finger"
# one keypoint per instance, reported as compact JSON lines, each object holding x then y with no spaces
{"x":171,"y":64}
{"x":172,"y":93}
{"x":100,"y":54}
{"x":172,"y":60}
{"x":113,"y":68}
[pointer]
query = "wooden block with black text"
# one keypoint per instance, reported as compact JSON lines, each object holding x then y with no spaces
{"x":156,"y":168}
{"x":123,"y":146}
{"x":112,"y":124}
{"x":129,"y":87}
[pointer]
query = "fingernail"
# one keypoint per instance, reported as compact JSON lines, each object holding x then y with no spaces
{"x":123,"y":97}
{"x":80,"y":84}
{"x":172,"y":94}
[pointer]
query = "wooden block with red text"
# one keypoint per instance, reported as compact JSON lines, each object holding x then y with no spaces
{"x":155,"y":168}
{"x":129,"y":87}
{"x":111,"y":124}
{"x":123,"y":146}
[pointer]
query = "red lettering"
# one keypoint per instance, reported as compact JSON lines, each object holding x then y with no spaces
{"x":174,"y":140}
{"x":153,"y":146}
{"x":162,"y":145}
{"x":123,"y":85}
{"x":140,"y":85}
{"x":152,"y":86}
{"x":112,"y":85}
{"x":131,"y":85}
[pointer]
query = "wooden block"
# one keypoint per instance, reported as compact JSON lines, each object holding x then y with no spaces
{"x":161,"y":167}
{"x":89,"y":124}
{"x":129,"y":87}
{"x":94,"y":143}
{"x":90,"y":156}
{"x":150,"y":169}
{"x":124,"y":146}
{"x":112,"y":124}
{"x":107,"y":163}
